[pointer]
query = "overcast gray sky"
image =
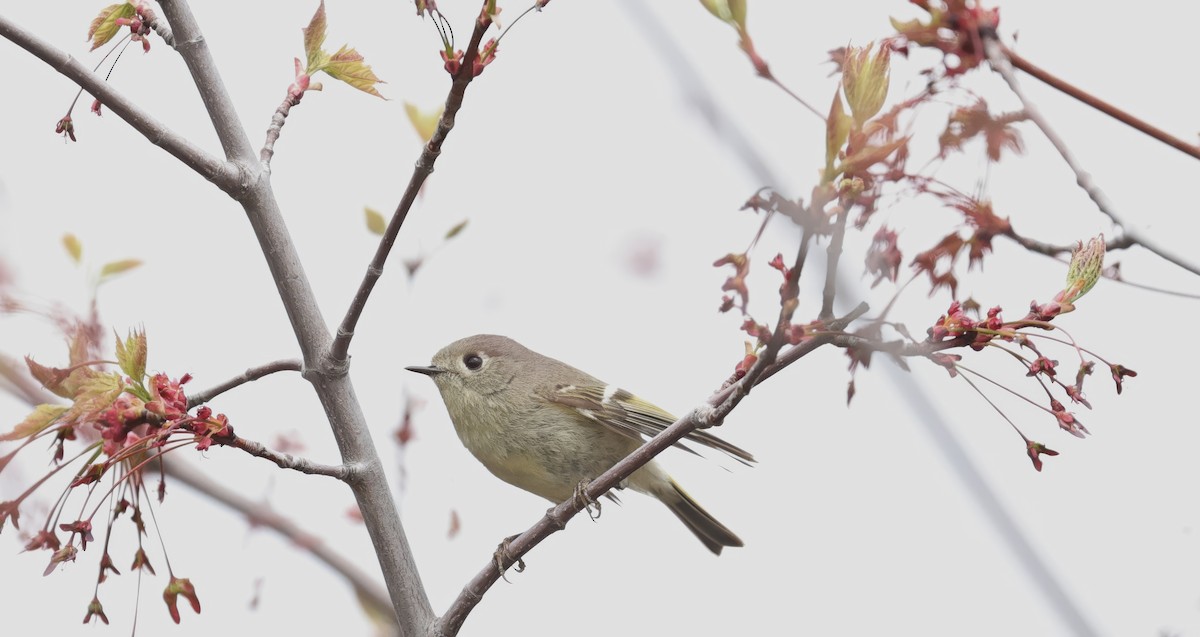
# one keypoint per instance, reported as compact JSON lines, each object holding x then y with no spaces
{"x":577,"y":151}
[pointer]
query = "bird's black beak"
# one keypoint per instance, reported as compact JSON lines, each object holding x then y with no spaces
{"x":429,"y":370}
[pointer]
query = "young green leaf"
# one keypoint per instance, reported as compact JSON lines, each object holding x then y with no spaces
{"x":348,"y":66}
{"x":375,"y":221}
{"x":837,"y":130}
{"x":458,"y":227}
{"x":314,"y":37}
{"x":41,"y":417}
{"x":73,"y":246}
{"x":425,"y":123}
{"x":104,"y":26}
{"x":114,"y":268}
{"x":131,"y":355}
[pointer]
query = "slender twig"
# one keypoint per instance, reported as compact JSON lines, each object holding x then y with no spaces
{"x":556,"y":518}
{"x":424,"y":167}
{"x":794,"y":354}
{"x":251,"y":374}
{"x":1002,"y":66}
{"x":1128,"y":119}
{"x":158,"y":25}
{"x":211,"y":168}
{"x":1000,"y":63}
{"x":1057,"y":252}
{"x":772,"y":79}
{"x":790,"y":300}
{"x":287,"y":460}
{"x":278,"y":119}
{"x":833,"y":254}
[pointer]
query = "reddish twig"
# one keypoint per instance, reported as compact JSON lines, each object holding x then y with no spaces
{"x":339,"y":350}
{"x":1137,"y":123}
{"x":1000,"y":63}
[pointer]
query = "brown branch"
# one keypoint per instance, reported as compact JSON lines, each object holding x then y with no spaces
{"x":772,"y":79}
{"x":796,"y":353}
{"x":339,"y":351}
{"x":833,"y":255}
{"x":556,"y":518}
{"x":1058,"y":252}
{"x":1001,"y":64}
{"x":789,"y":300}
{"x":1139,"y":124}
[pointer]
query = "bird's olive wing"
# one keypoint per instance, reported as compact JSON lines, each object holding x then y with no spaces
{"x":632,"y":416}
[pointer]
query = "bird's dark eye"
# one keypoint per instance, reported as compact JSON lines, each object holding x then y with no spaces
{"x":473,"y":361}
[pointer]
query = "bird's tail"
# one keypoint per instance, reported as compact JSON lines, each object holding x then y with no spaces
{"x":712,"y":533}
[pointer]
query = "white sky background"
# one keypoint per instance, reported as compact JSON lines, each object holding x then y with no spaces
{"x":574,"y":148}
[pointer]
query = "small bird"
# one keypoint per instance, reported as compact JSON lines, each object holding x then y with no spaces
{"x":546,"y":427}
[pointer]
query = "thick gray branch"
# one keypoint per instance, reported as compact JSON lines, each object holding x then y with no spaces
{"x":332,"y":384}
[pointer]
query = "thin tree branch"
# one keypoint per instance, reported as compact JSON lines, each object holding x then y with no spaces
{"x":158,"y":25}
{"x":278,"y":119}
{"x":286,"y":460}
{"x":1104,"y":107}
{"x":1000,"y":63}
{"x":832,"y":256}
{"x":211,"y":168}
{"x":424,"y":167}
{"x":794,"y":354}
{"x":556,"y":518}
{"x":251,"y":374}
{"x":774,"y":80}
{"x":789,"y":301}
{"x":1057,"y":252}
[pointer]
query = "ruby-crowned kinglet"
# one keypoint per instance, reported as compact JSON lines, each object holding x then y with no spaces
{"x":546,"y":427}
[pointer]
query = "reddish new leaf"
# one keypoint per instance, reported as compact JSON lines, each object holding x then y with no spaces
{"x":40,"y":418}
{"x":104,"y":26}
{"x":348,"y":66}
{"x":314,"y":37}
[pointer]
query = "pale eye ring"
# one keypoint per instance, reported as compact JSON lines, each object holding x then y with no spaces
{"x":473,"y":361}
